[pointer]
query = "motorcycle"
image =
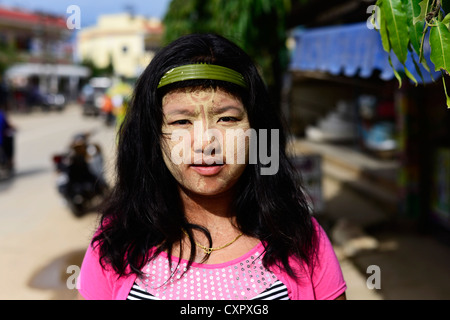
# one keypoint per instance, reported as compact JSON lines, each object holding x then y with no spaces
{"x":80,"y":179}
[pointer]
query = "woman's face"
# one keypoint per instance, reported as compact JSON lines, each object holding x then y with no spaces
{"x":204,"y":143}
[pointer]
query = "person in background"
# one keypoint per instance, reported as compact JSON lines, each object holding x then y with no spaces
{"x":2,"y":134}
{"x":119,"y":95}
{"x":6,"y":132}
{"x":107,"y":109}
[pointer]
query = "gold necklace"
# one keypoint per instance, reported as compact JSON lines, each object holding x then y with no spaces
{"x":209,"y":250}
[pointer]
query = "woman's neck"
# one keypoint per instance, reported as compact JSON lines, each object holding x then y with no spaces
{"x":212,"y":212}
{"x":217,"y":215}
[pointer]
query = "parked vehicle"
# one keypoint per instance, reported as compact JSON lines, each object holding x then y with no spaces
{"x":45,"y":101}
{"x":92,"y":95}
{"x":55,"y":101}
{"x":80,"y":179}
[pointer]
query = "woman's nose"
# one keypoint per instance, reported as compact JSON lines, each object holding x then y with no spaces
{"x":206,"y":138}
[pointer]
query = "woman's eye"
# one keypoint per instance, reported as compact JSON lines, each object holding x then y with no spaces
{"x":180,"y":122}
{"x":228,"y":119}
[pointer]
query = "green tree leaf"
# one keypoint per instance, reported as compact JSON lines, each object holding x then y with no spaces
{"x":397,"y":27}
{"x":385,"y":41}
{"x":440,"y":46}
{"x":440,"y":51}
{"x":446,"y":94}
{"x":424,"y":10}
{"x":412,"y":10}
{"x":446,"y":20}
{"x":384,"y":32}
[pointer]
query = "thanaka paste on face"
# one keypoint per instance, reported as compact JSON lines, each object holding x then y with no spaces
{"x":198,"y":106}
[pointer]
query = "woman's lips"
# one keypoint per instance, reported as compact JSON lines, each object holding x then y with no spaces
{"x":207,"y":170}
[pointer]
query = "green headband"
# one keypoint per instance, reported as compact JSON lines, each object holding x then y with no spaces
{"x":202,"y":71}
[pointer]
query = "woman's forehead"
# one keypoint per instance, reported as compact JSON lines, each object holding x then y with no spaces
{"x":199,"y":97}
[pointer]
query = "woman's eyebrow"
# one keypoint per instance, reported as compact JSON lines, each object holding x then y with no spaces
{"x":186,"y":112}
{"x":224,"y":109}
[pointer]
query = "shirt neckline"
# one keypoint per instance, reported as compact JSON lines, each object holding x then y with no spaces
{"x":258,"y":247}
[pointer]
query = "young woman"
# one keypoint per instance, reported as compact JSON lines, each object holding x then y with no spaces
{"x":199,"y":209}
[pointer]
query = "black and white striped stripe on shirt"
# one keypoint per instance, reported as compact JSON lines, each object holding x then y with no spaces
{"x":277,"y":291}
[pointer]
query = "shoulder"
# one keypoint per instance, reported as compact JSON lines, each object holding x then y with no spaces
{"x":94,"y":281}
{"x":323,"y":278}
{"x":327,"y":276}
{"x":99,"y":281}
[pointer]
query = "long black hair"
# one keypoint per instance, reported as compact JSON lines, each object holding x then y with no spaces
{"x":145,"y":212}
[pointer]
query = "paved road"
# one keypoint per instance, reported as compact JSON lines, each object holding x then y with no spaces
{"x":39,"y":237}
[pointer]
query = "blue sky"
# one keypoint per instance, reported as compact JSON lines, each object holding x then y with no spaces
{"x":90,"y":9}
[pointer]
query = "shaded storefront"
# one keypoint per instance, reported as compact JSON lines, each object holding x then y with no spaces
{"x":63,"y":78}
{"x":389,"y":142}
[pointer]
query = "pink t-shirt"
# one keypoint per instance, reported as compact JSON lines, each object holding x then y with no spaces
{"x":242,"y":278}
{"x":324,"y":282}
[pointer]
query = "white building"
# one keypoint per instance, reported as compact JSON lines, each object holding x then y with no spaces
{"x":128,"y":42}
